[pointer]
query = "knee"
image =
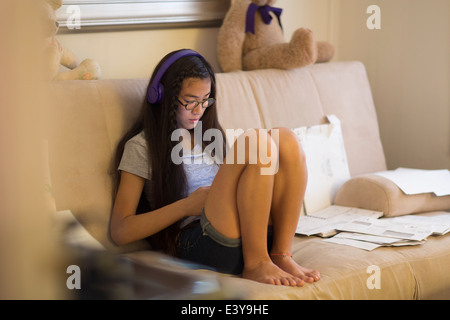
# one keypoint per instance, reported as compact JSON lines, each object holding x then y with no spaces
{"x":255,"y":146}
{"x":289,"y":147}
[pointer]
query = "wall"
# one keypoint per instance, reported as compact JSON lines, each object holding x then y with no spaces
{"x":408,"y":64}
{"x":134,"y":54}
{"x":407,"y":61}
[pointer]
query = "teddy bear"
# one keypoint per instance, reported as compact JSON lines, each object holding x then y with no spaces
{"x":250,"y":38}
{"x":56,"y":55}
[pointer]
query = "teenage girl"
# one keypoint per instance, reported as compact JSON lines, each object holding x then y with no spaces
{"x":230,"y":216}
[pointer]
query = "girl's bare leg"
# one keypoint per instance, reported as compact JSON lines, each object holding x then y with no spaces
{"x":238,"y":205}
{"x":287,"y":198}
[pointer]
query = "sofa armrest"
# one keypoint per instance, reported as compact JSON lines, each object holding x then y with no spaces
{"x":378,"y":193}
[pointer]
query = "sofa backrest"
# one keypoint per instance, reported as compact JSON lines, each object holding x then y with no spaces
{"x":89,"y":117}
{"x":303,"y":97}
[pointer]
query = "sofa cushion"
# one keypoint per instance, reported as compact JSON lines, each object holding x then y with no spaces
{"x":344,"y":91}
{"x":272,"y":98}
{"x":237,"y":106}
{"x":412,"y":272}
{"x":381,"y":194}
{"x":88,"y":119}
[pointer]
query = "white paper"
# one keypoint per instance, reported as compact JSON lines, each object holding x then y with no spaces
{"x":363,"y":229}
{"x":437,"y":225}
{"x":370,"y":242}
{"x":386,"y":228}
{"x":415,"y":181}
{"x":326,"y":160}
{"x":406,"y":230}
{"x":325,"y":222}
{"x":354,"y":243}
{"x":367,"y":238}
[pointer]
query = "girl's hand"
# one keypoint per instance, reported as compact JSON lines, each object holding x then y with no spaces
{"x":196,"y":201}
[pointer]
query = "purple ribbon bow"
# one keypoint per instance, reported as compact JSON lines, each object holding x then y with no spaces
{"x":265,"y":14}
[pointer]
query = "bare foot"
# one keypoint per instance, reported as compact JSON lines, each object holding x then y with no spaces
{"x":268,"y":272}
{"x":288,"y":264}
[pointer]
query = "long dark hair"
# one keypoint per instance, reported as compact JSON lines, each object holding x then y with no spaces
{"x":158,"y":121}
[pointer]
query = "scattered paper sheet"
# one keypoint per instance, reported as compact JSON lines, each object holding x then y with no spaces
{"x":415,"y":181}
{"x":437,"y":225}
{"x":363,"y":229}
{"x":369,"y":242}
{"x":325,"y":222}
{"x":386,"y":228}
{"x":368,"y":238}
{"x":354,"y":243}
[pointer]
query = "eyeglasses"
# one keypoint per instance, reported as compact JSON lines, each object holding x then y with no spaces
{"x":193,"y":104}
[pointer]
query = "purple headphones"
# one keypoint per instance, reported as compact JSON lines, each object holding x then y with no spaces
{"x":155,"y":91}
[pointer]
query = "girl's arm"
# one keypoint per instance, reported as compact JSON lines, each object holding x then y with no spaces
{"x":127,"y":227}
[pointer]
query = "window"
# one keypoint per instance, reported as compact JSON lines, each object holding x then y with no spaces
{"x":97,"y":15}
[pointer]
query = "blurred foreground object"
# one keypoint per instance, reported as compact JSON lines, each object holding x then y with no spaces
{"x":55,"y":55}
{"x":29,"y":269}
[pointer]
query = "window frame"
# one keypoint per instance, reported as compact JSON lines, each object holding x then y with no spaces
{"x":109,"y":15}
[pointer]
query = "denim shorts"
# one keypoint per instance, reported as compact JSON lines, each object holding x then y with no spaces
{"x":203,"y":244}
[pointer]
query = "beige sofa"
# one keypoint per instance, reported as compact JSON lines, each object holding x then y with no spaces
{"x":91,"y":116}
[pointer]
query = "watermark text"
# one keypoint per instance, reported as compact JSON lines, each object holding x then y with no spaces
{"x":249,"y":147}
